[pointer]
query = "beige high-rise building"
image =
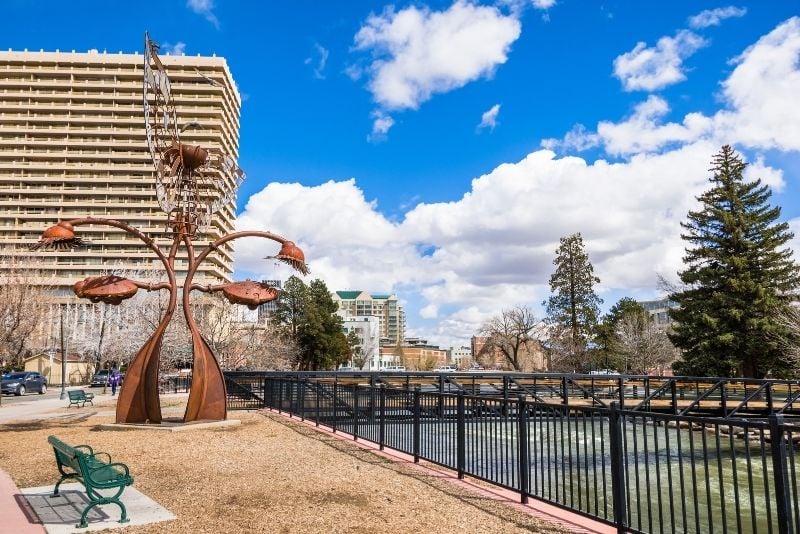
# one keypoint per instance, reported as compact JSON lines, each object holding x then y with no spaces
{"x":72,"y":144}
{"x":390,"y":314}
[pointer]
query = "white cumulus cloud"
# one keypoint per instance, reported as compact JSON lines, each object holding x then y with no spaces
{"x":177,"y":49}
{"x":204,"y":8}
{"x":713,"y":17}
{"x":489,"y":118}
{"x":652,"y":68}
{"x":319,"y":64}
{"x":381,"y":124}
{"x":417,"y":52}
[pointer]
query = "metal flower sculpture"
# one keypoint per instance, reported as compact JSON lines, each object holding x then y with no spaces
{"x":192,"y":182}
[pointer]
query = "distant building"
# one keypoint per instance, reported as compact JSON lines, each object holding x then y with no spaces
{"x":390,"y":314}
{"x":368,"y":332}
{"x":266,"y":309}
{"x":461,"y":357}
{"x":659,"y":311}
{"x":415,"y":355}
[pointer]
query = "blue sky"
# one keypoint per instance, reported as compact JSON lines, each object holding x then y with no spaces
{"x":440,"y":149}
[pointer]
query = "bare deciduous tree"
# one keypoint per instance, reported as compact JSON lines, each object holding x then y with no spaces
{"x":24,"y":304}
{"x":789,"y":344}
{"x":564,"y":353}
{"x":513,"y":334}
{"x":644,"y":345}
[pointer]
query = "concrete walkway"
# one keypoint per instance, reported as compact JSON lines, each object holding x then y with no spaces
{"x":61,"y":515}
{"x":36,"y":408}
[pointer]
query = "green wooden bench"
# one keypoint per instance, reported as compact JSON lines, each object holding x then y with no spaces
{"x":80,"y":397}
{"x":95,"y":471}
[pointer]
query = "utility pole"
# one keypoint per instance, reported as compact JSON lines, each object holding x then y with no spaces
{"x":63,"y":361}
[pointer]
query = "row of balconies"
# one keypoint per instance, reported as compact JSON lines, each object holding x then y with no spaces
{"x":178,"y":98}
{"x":34,"y":108}
{"x":70,"y":117}
{"x":73,"y":138}
{"x":132,"y":132}
{"x":177,"y":85}
{"x":132,"y":99}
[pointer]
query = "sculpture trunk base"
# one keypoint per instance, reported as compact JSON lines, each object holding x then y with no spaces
{"x":207,"y":398}
{"x":138,"y":398}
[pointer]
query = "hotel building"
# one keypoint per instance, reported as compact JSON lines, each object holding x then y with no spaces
{"x":390,"y":314}
{"x":72,"y":144}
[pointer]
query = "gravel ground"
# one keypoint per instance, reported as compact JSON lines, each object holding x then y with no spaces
{"x":267,"y":475}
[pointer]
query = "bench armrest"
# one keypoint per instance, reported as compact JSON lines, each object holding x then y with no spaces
{"x":88,"y":396}
{"x":85,"y":449}
{"x":96,"y":455}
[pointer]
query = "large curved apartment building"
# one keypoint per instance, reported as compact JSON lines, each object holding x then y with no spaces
{"x":72,"y":144}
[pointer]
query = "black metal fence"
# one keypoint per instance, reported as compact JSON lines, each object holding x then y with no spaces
{"x":641,"y":471}
{"x":174,"y":384}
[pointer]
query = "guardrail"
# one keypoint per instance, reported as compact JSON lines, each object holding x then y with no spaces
{"x":642,"y":471}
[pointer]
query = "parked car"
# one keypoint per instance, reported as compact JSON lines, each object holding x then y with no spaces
{"x":446,"y":369}
{"x":395,"y":369}
{"x":604,"y":372}
{"x":21,"y":382}
{"x":100,"y":378}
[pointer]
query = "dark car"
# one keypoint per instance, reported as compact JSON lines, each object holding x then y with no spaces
{"x":21,"y":382}
{"x":100,"y":378}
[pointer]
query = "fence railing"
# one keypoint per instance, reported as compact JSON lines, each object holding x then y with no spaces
{"x":641,"y":471}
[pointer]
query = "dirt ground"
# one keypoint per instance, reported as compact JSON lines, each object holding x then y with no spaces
{"x":267,"y":475}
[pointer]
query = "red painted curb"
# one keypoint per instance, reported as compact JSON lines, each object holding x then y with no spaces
{"x":16,"y":514}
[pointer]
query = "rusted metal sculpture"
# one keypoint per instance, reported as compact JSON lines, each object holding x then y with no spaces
{"x":192,"y":183}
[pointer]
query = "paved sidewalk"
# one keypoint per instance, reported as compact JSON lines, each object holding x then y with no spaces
{"x":16,"y":514}
{"x":35,"y":409}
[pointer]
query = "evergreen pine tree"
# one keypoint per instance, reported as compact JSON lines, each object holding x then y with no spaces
{"x":739,"y":278}
{"x":574,"y":306}
{"x":307,"y":313}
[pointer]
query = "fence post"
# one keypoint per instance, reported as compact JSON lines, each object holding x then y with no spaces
{"x":461,"y":434}
{"x":416,"y":431}
{"x":317,"y":391}
{"x":673,"y":389}
{"x":769,"y":398}
{"x":617,"y":467}
{"x":441,"y":397}
{"x":382,"y":417}
{"x":355,"y":412}
{"x":280,"y":394}
{"x":290,"y":388}
{"x":505,"y":396}
{"x":524,"y":460}
{"x":779,"y":469}
{"x":302,"y":397}
{"x":335,"y":404}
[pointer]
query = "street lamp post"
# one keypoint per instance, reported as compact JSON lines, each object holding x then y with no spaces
{"x":63,"y":362}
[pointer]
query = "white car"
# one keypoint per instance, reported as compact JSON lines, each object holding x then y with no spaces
{"x":446,"y":369}
{"x":395,"y":369}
